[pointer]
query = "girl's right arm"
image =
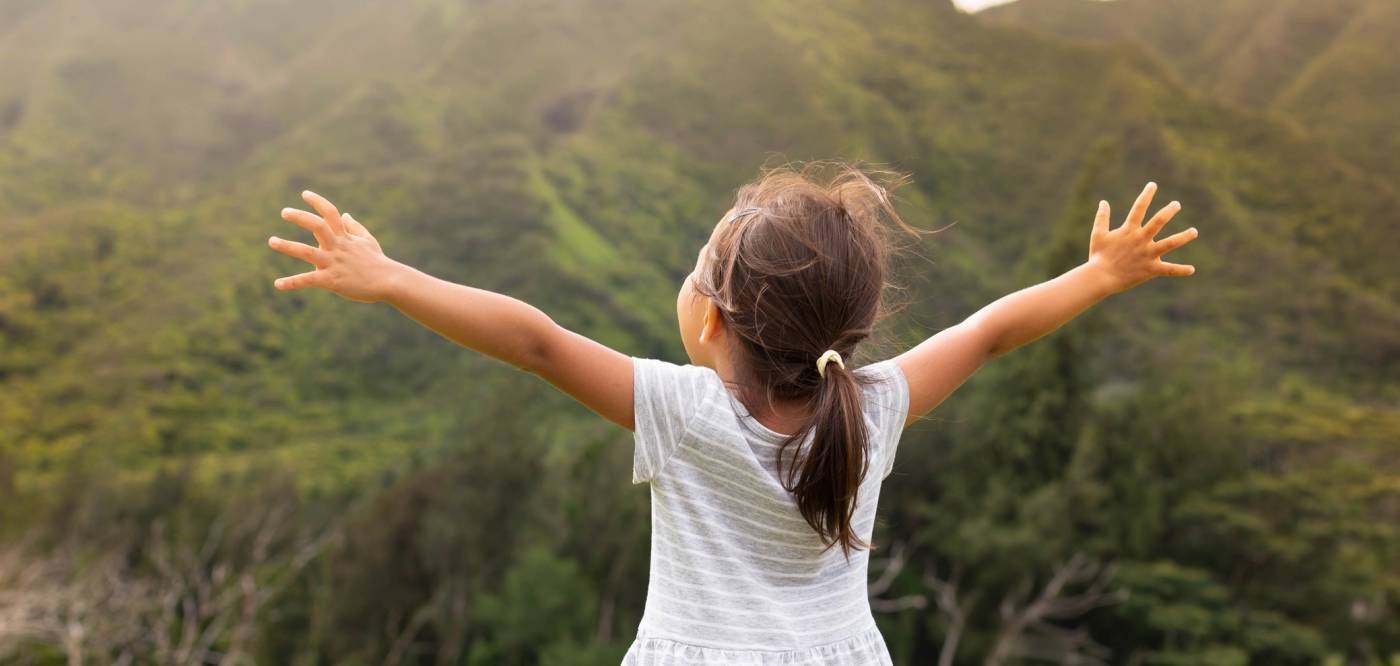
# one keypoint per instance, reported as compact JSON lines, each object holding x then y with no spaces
{"x":1118,"y":260}
{"x":350,"y":263}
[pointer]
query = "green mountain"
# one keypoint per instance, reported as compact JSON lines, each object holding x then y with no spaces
{"x":575,"y":155}
{"x":1325,"y":65}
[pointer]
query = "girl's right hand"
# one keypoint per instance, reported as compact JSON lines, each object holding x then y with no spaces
{"x":1127,"y":256}
{"x":349,"y":261}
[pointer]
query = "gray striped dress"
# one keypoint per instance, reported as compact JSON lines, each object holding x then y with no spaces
{"x":737,"y":575}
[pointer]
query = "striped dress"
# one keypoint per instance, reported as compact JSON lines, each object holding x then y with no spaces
{"x":737,"y":575}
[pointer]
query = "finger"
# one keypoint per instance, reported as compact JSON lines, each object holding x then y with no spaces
{"x":1175,"y":270}
{"x":309,"y":222}
{"x":299,"y":281}
{"x":1101,"y":219}
{"x":325,"y":209}
{"x":1139,"y":208}
{"x":1173,"y":241}
{"x":1161,"y":219}
{"x":354,"y":225}
{"x":298,"y":250}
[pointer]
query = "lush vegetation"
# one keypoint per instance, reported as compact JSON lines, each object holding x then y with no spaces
{"x":197,"y":468}
{"x":1324,"y":65}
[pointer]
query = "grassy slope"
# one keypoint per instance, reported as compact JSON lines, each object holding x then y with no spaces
{"x":1325,"y":65}
{"x":576,"y":157}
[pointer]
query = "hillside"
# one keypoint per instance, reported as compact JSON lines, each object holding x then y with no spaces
{"x":1326,"y":65}
{"x":576,"y":154}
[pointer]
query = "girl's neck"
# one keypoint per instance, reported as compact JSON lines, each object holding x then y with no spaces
{"x":782,"y":419}
{"x":780,"y":416}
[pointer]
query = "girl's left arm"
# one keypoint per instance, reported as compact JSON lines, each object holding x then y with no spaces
{"x":350,"y":263}
{"x":1119,"y":259}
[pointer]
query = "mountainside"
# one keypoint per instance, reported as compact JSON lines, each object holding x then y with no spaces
{"x":577,"y":154}
{"x":1327,"y":65}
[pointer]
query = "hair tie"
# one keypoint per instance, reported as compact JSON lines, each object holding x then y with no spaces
{"x":830,"y":355}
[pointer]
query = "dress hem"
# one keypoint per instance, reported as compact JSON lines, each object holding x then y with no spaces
{"x":863,"y":648}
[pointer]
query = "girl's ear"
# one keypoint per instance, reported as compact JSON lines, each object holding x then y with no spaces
{"x":713,"y":325}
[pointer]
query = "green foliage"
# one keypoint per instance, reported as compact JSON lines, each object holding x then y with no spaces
{"x":543,"y":599}
{"x":1195,"y":620}
{"x":1322,"y":64}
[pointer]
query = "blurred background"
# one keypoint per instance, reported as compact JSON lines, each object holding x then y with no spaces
{"x":198,"y":469}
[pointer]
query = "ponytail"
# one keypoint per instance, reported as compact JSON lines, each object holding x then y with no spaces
{"x":825,"y":482}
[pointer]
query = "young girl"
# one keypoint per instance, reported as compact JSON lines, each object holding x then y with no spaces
{"x":766,"y":454}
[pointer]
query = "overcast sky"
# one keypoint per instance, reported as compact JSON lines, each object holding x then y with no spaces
{"x":974,"y":5}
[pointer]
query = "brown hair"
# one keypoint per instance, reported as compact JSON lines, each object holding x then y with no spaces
{"x":800,"y":268}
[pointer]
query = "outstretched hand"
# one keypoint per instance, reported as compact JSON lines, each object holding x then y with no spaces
{"x":1128,"y":255}
{"x":349,"y":261}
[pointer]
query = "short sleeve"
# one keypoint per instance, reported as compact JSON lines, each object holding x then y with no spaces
{"x":887,"y":407}
{"x":665,"y":397}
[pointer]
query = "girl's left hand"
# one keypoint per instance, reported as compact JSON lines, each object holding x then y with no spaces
{"x":1127,"y":255}
{"x":349,"y":261}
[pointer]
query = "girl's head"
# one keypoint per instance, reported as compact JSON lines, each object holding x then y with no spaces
{"x":797,"y":267}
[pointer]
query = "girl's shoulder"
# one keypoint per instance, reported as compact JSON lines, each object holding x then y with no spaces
{"x":666,"y":398}
{"x":885,"y":398}
{"x":885,"y":388}
{"x":884,"y":375}
{"x":655,"y":378}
